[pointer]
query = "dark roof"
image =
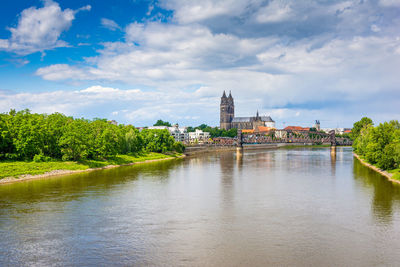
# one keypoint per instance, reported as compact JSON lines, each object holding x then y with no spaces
{"x":241,"y":119}
{"x":267,"y":118}
{"x":248,"y":119}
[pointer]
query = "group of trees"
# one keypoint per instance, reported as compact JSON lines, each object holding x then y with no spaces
{"x":26,"y":136}
{"x":214,"y":131}
{"x":379,"y":145}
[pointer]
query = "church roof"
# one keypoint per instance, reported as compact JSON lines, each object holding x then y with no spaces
{"x":241,"y":119}
{"x":267,"y":119}
{"x":248,"y":119}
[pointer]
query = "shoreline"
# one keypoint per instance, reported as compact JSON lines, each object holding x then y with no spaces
{"x":59,"y":173}
{"x":382,"y":172}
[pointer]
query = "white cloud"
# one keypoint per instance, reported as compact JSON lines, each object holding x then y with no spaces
{"x":330,"y":65}
{"x":62,"y":72}
{"x":275,"y":11}
{"x":110,"y":24}
{"x":390,"y":3}
{"x":39,"y":29}
{"x":186,"y":11}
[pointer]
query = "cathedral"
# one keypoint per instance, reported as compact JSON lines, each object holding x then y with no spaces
{"x":229,"y":121}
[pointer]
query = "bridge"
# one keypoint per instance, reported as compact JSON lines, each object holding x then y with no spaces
{"x":314,"y":138}
{"x":257,"y":141}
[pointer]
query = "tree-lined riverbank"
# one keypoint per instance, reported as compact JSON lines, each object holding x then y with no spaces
{"x":39,"y":144}
{"x":378,"y":147}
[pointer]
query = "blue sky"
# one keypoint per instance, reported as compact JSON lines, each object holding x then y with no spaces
{"x":138,"y":61}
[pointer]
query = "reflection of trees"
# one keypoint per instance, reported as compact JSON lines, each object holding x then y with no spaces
{"x":385,"y":192}
{"x":66,"y":188}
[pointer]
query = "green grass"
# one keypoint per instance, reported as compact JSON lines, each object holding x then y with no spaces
{"x":396,"y":174}
{"x":18,"y":168}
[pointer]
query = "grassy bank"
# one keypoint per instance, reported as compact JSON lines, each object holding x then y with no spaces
{"x":396,"y":174}
{"x":393,"y":175}
{"x":19,"y":168}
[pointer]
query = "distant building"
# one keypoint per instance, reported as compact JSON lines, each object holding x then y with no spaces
{"x":113,"y":122}
{"x":317,"y":125}
{"x":198,"y":136}
{"x":337,"y":130}
{"x":180,"y":134}
{"x":281,"y":134}
{"x":229,"y":121}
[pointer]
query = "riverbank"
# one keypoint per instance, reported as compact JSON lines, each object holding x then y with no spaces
{"x":391,"y":176}
{"x":18,"y":171}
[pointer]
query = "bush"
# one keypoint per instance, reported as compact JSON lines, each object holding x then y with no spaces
{"x":41,"y":158}
{"x":179,"y":147}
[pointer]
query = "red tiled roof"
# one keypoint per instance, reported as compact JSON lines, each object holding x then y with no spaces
{"x":263,"y":129}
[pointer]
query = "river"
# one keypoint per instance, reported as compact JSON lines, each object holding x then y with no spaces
{"x":291,"y":207}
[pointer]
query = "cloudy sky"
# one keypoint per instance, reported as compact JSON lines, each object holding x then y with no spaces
{"x":137,"y":61}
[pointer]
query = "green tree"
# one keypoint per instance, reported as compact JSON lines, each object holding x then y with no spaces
{"x":365,"y":121}
{"x":75,"y":141}
{"x":162,"y":123}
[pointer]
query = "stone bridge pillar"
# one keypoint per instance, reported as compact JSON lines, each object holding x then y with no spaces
{"x":332,"y":138}
{"x":239,"y":145}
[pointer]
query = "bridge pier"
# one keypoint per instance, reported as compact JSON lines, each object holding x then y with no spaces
{"x":239,"y":145}
{"x":332,"y":138}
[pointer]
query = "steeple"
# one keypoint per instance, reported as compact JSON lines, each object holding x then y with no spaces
{"x":230,"y":94}
{"x":257,"y":115}
{"x":224,"y":95}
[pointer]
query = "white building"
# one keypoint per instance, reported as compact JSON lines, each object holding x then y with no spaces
{"x":180,"y":134}
{"x":198,"y":136}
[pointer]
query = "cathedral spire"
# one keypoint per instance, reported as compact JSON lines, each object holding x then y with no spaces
{"x":230,"y":94}
{"x":224,"y":95}
{"x":257,"y":116}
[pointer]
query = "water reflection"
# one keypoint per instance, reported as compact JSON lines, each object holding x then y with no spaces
{"x":272,"y":207}
{"x":333,"y":162}
{"x":385,"y":193}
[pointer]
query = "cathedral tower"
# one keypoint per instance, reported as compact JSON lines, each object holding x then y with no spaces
{"x":227,"y":111}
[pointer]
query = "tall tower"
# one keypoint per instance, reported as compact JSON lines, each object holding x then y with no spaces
{"x":227,"y":111}
{"x":317,"y":125}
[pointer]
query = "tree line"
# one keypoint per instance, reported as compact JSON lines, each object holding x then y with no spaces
{"x":379,"y":145}
{"x":40,"y":137}
{"x":214,"y":131}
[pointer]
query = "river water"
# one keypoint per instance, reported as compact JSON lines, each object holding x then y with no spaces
{"x":291,"y":207}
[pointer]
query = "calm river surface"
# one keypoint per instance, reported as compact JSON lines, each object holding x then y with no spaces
{"x":296,"y":207}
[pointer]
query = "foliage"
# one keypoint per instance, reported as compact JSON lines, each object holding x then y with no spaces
{"x":40,"y":137}
{"x":358,"y":126}
{"x":214,"y":131}
{"x":162,"y":123}
{"x":379,"y":145}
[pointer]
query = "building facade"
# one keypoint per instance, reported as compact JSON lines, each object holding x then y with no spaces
{"x":180,"y":134}
{"x":199,"y":136}
{"x":229,"y":121}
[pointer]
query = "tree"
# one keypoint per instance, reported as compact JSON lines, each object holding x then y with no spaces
{"x":365,"y":121}
{"x":162,"y":123}
{"x":74,"y":143}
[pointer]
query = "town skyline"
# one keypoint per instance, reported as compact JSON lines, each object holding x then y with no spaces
{"x":139,"y":61}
